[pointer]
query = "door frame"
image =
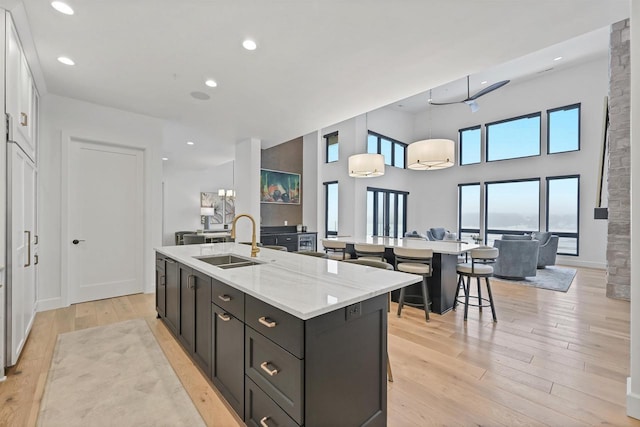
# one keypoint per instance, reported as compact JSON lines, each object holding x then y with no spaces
{"x":66,"y":142}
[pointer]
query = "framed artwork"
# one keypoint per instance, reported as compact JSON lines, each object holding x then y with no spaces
{"x":223,"y":206}
{"x":279,"y":187}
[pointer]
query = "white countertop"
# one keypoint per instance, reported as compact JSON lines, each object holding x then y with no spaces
{"x":303,"y":286}
{"x":450,"y":247}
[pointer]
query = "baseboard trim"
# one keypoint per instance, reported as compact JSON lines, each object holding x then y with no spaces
{"x":572,"y":262}
{"x":3,"y":378}
{"x":633,"y":402}
{"x":50,"y":304}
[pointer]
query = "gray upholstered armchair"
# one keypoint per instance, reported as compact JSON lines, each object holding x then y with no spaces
{"x":518,"y":257}
{"x":436,"y":233}
{"x":548,"y":248}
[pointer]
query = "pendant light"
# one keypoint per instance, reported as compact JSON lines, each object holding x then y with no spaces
{"x":431,"y":154}
{"x":367,"y":165}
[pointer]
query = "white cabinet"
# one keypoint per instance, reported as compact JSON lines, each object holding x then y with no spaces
{"x":21,"y":96}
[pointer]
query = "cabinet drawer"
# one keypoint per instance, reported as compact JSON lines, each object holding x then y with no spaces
{"x":276,"y":371}
{"x":229,"y":298}
{"x":261,"y":411}
{"x":282,"y":328}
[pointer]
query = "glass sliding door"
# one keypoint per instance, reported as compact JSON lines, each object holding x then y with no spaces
{"x":386,"y":212}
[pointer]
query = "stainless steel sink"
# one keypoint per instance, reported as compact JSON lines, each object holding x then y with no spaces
{"x":228,"y":261}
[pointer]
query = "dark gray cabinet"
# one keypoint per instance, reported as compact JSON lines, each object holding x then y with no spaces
{"x":195,"y":315}
{"x":227,"y":366}
{"x":172,"y":295}
{"x":161,"y":288}
{"x":292,"y":241}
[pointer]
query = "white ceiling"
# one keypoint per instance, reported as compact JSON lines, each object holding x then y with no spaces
{"x":318,"y":62}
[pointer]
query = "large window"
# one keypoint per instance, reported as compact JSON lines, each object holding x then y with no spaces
{"x":470,"y":145}
{"x":392,"y":150}
{"x":386,"y":212}
{"x":513,"y":207}
{"x":563,"y":207}
{"x":468,"y":210}
{"x":563,"y":129}
{"x":331,"y":209}
{"x":332,"y":154}
{"x":513,"y":138}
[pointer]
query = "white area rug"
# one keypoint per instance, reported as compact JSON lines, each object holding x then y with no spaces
{"x":114,"y":375}
{"x":552,"y":277}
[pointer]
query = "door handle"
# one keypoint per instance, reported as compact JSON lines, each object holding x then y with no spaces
{"x":24,"y":120}
{"x":76,"y":241}
{"x":36,"y":258}
{"x":28,"y":249}
{"x":35,"y":239}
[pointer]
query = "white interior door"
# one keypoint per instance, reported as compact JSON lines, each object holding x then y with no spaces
{"x":21,"y":304}
{"x":105,"y":211}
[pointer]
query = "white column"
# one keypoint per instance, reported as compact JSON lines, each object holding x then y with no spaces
{"x":247,"y":186}
{"x":633,"y":382}
{"x":312,"y":188}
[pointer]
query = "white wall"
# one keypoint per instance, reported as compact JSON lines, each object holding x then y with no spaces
{"x":99,"y":123}
{"x":433,"y":195}
{"x":181,"y":197}
{"x":247,"y":182}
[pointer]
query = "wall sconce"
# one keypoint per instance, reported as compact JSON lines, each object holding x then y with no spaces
{"x":207,"y":213}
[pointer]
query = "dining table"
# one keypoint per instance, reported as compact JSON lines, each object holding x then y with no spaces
{"x":446,"y":256}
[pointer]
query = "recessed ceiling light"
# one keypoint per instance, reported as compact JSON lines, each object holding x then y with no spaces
{"x":484,"y":82}
{"x":211,"y":83}
{"x":165,"y":158}
{"x":62,"y":7}
{"x":190,"y":142}
{"x":557,"y":58}
{"x":249,"y":44}
{"x":66,"y":61}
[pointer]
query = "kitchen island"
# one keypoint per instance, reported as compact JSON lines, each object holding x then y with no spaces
{"x":289,"y":340}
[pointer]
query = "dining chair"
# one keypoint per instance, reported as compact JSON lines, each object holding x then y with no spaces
{"x":369,"y":251}
{"x":335,"y":249}
{"x":415,"y":261}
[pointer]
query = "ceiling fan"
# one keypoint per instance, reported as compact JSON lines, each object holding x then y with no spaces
{"x":471,"y":100}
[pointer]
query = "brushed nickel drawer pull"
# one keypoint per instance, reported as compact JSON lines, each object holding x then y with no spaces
{"x":263,"y":422}
{"x":224,"y":317}
{"x":267,"y":322}
{"x":265,"y":367}
{"x":225,"y":298}
{"x":24,"y":121}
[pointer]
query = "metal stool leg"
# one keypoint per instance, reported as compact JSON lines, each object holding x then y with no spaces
{"x":400,"y":302}
{"x":493,"y":309}
{"x":467,"y":290}
{"x":479,"y":294}
{"x":425,"y":296}
{"x":455,"y":299}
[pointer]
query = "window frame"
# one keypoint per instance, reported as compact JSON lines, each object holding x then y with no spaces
{"x":575,"y":235}
{"x":488,"y":231}
{"x":326,"y":148}
{"x":394,"y":142}
{"x":387,"y":192}
{"x":566,"y":107}
{"x":328,"y":233}
{"x":525,"y":116}
{"x":469,"y":230}
{"x":460,"y":131}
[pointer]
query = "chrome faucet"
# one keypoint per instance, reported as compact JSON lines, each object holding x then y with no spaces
{"x":254,"y":246}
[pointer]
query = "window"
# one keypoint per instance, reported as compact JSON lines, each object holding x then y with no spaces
{"x":513,"y":207}
{"x":332,"y":147}
{"x":386,"y":212}
{"x":563,"y":129}
{"x":470,"y":145}
{"x":563,"y":207}
{"x":392,"y":150}
{"x":468,"y":210}
{"x":513,"y":138}
{"x":331,"y":209}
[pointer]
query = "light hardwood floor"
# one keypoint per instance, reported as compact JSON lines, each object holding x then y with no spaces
{"x":558,"y":359}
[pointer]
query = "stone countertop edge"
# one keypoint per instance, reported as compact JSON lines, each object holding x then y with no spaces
{"x":303,"y":286}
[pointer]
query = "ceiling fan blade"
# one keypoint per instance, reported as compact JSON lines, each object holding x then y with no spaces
{"x":488,"y":89}
{"x":444,"y":103}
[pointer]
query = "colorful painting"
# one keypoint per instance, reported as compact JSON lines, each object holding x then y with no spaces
{"x":279,"y":187}
{"x":224,"y":208}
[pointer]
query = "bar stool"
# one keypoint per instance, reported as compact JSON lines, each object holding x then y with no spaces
{"x":369,"y":251}
{"x":478,"y":267}
{"x":336,"y":250}
{"x":384,"y":266}
{"x":416,"y":261}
